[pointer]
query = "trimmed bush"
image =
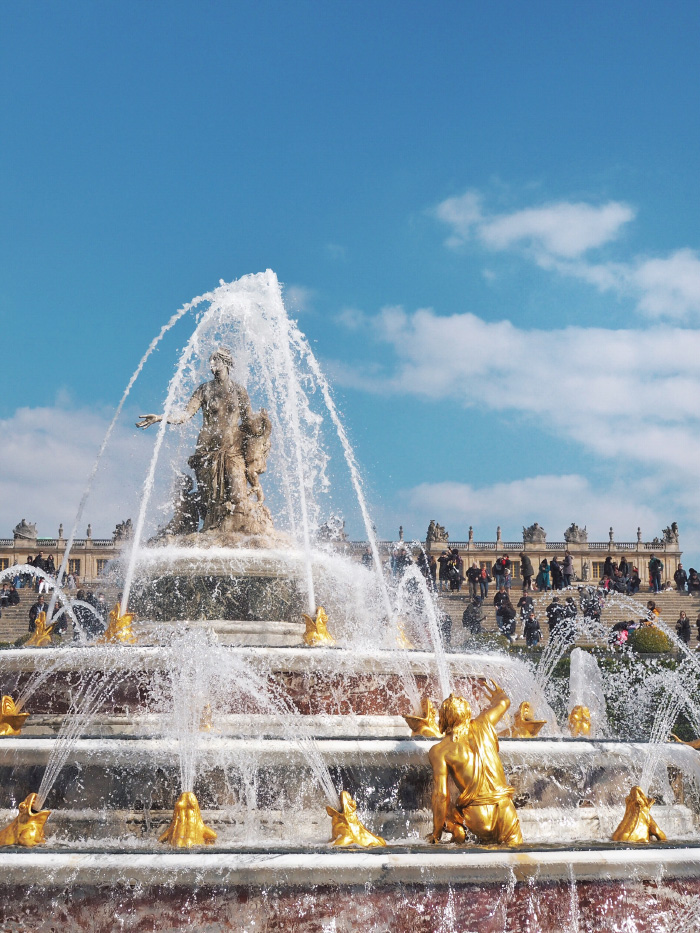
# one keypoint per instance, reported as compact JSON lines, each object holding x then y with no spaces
{"x":650,"y":640}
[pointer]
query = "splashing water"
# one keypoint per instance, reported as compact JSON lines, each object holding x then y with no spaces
{"x":88,"y":487}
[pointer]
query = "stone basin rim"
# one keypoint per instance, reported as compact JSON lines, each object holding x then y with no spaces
{"x":301,"y":868}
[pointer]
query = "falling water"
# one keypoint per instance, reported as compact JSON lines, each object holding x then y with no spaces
{"x":150,"y":477}
{"x":586,"y":689}
{"x":293,"y":389}
{"x":414,"y":578}
{"x":92,"y":691}
{"x":668,"y":708}
{"x":88,"y":487}
{"x":354,"y":473}
{"x":574,"y":908}
{"x":51,"y":585}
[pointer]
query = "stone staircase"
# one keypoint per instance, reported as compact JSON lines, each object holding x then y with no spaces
{"x":14,"y":623}
{"x":669,"y":603}
{"x":15,"y":619}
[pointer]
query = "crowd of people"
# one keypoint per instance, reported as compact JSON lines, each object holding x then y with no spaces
{"x":90,"y":611}
{"x":42,"y":582}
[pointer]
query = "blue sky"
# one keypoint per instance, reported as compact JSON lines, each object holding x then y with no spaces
{"x":486,"y":217}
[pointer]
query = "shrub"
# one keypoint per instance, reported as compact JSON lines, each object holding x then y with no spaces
{"x":650,"y":640}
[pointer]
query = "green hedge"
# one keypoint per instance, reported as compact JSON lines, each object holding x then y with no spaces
{"x":650,"y":640}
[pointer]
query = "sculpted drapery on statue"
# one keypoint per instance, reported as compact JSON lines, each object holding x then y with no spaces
{"x":231,"y":452}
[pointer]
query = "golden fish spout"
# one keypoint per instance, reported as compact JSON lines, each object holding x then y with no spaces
{"x":187,"y":826}
{"x":346,"y":828}
{"x":27,"y":828}
{"x":206,"y":720}
{"x":316,"y":634}
{"x":402,"y":639}
{"x":580,"y":721}
{"x":41,"y":636}
{"x":638,"y":825}
{"x":118,"y":630}
{"x":427,"y":724}
{"x":525,"y":726}
{"x":11,"y":720}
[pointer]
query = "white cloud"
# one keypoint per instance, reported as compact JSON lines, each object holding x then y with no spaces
{"x":463,"y":214}
{"x":625,"y":395}
{"x":561,"y":229}
{"x":662,"y":287}
{"x":558,"y":236}
{"x":46,"y":456}
{"x":351,"y":318}
{"x":552,"y":500}
{"x":669,"y":286}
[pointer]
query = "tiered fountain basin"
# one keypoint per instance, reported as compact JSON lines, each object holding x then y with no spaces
{"x":271,"y":862}
{"x":221,"y":584}
{"x":119,"y":790}
{"x":320,"y":682}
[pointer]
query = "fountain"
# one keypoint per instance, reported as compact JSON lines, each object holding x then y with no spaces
{"x":254,"y":743}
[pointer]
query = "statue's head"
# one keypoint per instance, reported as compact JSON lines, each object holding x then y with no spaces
{"x":222,"y":355}
{"x":454,"y":712}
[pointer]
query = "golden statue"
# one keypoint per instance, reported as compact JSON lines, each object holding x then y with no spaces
{"x":187,"y":827}
{"x":346,"y":828}
{"x":27,"y":828}
{"x":638,"y":825}
{"x":119,"y":629}
{"x":580,"y":721}
{"x":469,"y":755}
{"x":525,"y":726}
{"x":316,"y":629}
{"x":402,"y":639}
{"x":427,"y":724}
{"x":41,"y":636}
{"x":206,"y":720}
{"x":11,"y":721}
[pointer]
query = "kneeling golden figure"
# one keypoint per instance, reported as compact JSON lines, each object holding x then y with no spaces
{"x":346,"y":828}
{"x":11,"y":720}
{"x":469,"y":755}
{"x":187,"y":827}
{"x":316,"y":633}
{"x":580,"y":721}
{"x":27,"y":828}
{"x":638,"y":825}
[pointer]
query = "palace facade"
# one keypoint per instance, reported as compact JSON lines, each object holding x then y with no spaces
{"x":88,"y":556}
{"x":588,"y":556}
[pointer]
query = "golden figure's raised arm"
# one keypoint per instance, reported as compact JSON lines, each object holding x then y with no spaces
{"x":193,"y":406}
{"x":498,"y":699}
{"x":440,"y":792}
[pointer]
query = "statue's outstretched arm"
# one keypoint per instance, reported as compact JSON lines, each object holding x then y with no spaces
{"x":499,"y":702}
{"x":193,"y":406}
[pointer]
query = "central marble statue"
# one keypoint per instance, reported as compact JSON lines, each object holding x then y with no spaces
{"x":230,"y":454}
